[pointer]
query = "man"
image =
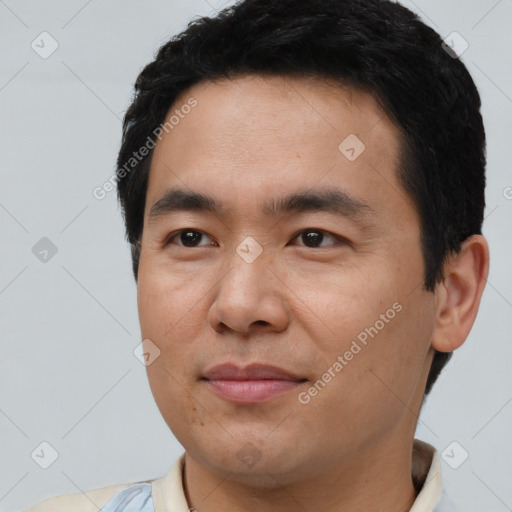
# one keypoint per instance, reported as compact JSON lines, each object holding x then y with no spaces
{"x":303,"y":190}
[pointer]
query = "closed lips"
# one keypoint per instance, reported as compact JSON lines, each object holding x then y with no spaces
{"x":230,"y":371}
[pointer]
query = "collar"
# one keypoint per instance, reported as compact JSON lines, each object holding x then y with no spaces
{"x":426,"y":475}
{"x":168,"y":494}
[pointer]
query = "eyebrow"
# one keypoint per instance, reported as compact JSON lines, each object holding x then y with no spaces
{"x":331,"y":200}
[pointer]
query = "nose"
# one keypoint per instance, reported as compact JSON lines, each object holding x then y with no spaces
{"x":250,"y":298}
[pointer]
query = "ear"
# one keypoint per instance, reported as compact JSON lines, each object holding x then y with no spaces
{"x":458,"y":296}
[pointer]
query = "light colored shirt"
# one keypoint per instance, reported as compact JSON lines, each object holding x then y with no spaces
{"x":166,"y":494}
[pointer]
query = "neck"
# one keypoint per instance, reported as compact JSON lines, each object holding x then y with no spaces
{"x":377,"y":477}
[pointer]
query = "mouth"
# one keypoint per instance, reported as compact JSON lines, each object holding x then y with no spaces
{"x":255,"y":383}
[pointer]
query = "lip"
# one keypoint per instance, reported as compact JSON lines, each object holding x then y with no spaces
{"x":255,"y":383}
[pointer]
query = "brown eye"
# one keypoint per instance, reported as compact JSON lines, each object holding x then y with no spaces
{"x":187,"y":238}
{"x":312,"y":238}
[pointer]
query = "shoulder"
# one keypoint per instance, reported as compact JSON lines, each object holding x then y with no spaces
{"x":144,"y":496}
{"x":92,"y":501}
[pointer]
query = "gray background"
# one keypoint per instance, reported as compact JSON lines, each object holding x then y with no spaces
{"x":69,"y":325}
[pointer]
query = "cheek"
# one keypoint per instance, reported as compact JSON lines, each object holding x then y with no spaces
{"x":171,"y":317}
{"x":381,"y":367}
{"x":337,"y":306}
{"x":393,"y":360}
{"x":169,"y":303}
{"x":174,"y":400}
{"x":380,"y":329}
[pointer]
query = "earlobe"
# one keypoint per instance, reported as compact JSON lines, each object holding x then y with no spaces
{"x":458,"y":295}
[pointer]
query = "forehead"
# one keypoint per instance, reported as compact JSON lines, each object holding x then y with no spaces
{"x":271,"y":133}
{"x":260,"y":105}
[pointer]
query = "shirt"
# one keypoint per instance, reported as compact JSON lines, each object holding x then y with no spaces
{"x":166,"y":494}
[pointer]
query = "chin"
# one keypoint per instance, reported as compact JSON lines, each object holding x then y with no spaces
{"x":256,"y":462}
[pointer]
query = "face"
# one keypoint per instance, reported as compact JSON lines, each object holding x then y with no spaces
{"x":305,"y":258}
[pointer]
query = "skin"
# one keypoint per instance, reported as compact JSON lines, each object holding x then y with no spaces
{"x":298,"y":307}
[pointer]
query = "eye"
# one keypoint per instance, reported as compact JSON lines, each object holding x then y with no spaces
{"x":312,"y":238}
{"x":187,"y":238}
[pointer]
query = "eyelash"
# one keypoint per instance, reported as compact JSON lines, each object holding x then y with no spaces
{"x":308,"y":230}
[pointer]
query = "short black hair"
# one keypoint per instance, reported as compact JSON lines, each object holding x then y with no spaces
{"x":376,"y":46}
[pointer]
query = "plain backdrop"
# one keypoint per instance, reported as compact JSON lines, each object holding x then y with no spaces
{"x":68,"y":314}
